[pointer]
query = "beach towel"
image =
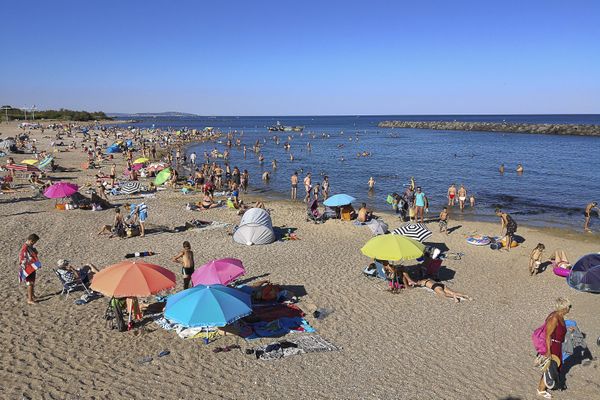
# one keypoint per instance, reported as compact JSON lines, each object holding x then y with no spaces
{"x":279,"y":327}
{"x":300,"y":345}
{"x":28,"y":262}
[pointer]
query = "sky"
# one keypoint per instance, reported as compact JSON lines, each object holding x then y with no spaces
{"x":302,"y":57}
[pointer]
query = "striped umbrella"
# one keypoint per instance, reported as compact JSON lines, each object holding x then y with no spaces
{"x":418,"y":232}
{"x":131,"y":187}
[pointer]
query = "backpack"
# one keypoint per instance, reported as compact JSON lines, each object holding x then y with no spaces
{"x":538,"y":337}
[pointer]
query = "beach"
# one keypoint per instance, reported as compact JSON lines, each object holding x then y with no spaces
{"x":413,"y":345}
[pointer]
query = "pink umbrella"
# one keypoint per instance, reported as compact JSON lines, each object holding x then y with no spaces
{"x":60,"y":189}
{"x":218,"y":272}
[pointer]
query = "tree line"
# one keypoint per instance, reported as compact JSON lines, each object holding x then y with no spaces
{"x":14,"y":113}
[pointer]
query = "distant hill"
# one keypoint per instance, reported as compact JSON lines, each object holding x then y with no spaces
{"x":160,"y":114}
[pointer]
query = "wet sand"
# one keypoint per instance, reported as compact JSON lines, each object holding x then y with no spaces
{"x":412,"y":345}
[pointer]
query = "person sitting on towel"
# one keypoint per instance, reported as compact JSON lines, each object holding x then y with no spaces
{"x":364,"y":215}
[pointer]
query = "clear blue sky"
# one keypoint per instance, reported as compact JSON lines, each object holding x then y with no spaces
{"x":303,"y":57}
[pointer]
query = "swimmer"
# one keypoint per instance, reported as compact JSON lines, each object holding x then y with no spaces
{"x":588,"y":214}
{"x":371,"y":183}
{"x":519,"y":169}
{"x":472,"y":200}
{"x":501,"y":169}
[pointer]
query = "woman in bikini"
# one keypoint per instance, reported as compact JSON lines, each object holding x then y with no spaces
{"x":441,"y":289}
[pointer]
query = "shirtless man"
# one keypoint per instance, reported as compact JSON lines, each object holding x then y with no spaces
{"x":307,"y":187}
{"x":501,"y":169}
{"x":462,"y":197}
{"x":519,"y":169}
{"x":444,"y":220}
{"x":588,"y":215}
{"x":364,"y":215}
{"x":186,"y":259}
{"x":294,"y":181}
{"x":113,"y":175}
{"x":451,"y":194}
{"x":371,"y":183}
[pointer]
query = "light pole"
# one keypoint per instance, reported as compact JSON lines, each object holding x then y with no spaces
{"x":6,"y":108}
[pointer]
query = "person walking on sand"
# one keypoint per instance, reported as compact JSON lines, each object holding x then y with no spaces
{"x":113,"y":175}
{"x":307,"y":187}
{"x":510,"y":225}
{"x":371,"y":183}
{"x":294,"y":181}
{"x":451,"y":194}
{"x":421,"y":204}
{"x":444,"y":221}
{"x":29,"y":263}
{"x":186,"y":259}
{"x":462,"y":197}
{"x":588,"y":215}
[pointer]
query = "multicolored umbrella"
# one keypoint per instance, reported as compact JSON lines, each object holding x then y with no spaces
{"x":162,"y":176}
{"x":60,"y":190}
{"x":338,"y":200}
{"x":154,"y":167}
{"x":130,"y":187}
{"x":221,"y":272}
{"x":393,"y":248}
{"x":415,"y":231}
{"x":215,"y":305}
{"x":133,"y":279}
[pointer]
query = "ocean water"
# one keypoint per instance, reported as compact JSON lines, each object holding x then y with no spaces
{"x":562,"y":173}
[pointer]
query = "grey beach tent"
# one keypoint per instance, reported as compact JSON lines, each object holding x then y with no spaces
{"x":255,"y":227}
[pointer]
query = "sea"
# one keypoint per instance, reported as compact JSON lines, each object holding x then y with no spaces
{"x":561,"y":173}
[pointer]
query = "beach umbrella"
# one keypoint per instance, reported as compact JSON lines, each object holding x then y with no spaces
{"x":338,"y":200}
{"x":415,"y":231}
{"x":585,"y":274}
{"x":154,"y":167}
{"x":393,"y":248}
{"x":377,"y":226}
{"x":61,"y":189}
{"x":7,"y":144}
{"x":133,"y":279}
{"x":214,"y":305}
{"x":221,"y":272}
{"x":130,"y":187}
{"x":162,"y":176}
{"x":22,"y":167}
{"x":141,"y":160}
{"x":29,"y":162}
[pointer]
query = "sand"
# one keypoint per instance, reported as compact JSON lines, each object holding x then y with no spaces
{"x":412,"y":345}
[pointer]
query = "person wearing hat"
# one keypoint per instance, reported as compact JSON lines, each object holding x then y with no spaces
{"x":71,"y":274}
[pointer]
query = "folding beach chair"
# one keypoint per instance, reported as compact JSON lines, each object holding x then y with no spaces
{"x":69,"y":287}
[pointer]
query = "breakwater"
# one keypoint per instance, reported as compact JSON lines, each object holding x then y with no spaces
{"x":546,"y":129}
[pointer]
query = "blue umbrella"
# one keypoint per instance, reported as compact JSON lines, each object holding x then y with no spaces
{"x":214,"y":305}
{"x":338,"y":200}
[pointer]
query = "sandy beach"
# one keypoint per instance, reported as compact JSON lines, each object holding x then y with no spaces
{"x":413,"y":345}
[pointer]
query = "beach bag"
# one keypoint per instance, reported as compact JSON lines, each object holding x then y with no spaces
{"x":538,"y":337}
{"x":114,"y":315}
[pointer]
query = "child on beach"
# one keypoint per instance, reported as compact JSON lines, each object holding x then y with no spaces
{"x":29,"y":264}
{"x":444,"y":220}
{"x":535,"y":259}
{"x":186,"y":259}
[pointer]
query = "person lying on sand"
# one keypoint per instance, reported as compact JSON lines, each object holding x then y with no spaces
{"x":265,"y":291}
{"x":442,"y":289}
{"x":207,"y":202}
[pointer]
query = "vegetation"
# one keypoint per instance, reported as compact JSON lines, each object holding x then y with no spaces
{"x":62,"y":114}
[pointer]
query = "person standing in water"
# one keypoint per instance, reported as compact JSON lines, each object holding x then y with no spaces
{"x":371,"y":183}
{"x":588,"y":215}
{"x":462,"y":197}
{"x":294,"y":181}
{"x":307,"y":187}
{"x":325,"y":187}
{"x":451,"y":194}
{"x":501,"y":169}
{"x":519,"y":169}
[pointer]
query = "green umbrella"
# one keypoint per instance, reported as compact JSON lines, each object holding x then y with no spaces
{"x":162,"y":176}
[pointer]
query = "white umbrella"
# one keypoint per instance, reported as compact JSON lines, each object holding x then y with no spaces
{"x":418,"y":232}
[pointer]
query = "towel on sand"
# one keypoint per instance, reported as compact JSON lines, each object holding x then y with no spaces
{"x":300,"y":345}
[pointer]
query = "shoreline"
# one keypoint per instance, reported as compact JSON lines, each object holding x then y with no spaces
{"x":504,"y":127}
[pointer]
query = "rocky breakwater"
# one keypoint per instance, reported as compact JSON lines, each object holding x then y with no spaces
{"x":546,"y":129}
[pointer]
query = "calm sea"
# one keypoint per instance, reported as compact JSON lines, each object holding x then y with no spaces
{"x":562,"y":173}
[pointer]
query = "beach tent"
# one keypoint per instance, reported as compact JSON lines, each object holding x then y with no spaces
{"x":585,"y":274}
{"x":115,"y":148}
{"x":255,"y":227}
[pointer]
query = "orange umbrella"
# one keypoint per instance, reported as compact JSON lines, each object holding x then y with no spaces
{"x":133,"y":279}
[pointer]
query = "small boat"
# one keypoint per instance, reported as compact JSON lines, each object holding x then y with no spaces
{"x":297,"y":128}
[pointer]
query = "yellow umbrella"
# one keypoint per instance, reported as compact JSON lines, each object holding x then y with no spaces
{"x":29,"y":162}
{"x":393,"y":248}
{"x":141,"y":160}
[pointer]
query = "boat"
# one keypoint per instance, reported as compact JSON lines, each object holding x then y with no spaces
{"x":297,"y":128}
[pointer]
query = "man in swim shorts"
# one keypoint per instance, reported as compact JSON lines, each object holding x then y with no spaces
{"x":307,"y":187}
{"x":588,"y":214}
{"x":451,"y":194}
{"x":462,"y":197}
{"x":186,"y":259}
{"x":294,"y":181}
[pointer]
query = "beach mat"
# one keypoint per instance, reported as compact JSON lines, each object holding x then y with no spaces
{"x":300,"y":345}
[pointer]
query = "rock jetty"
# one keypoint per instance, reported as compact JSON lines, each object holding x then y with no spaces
{"x":546,"y":129}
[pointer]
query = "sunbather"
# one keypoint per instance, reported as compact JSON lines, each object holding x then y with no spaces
{"x":117,"y":228}
{"x":266,"y":291}
{"x":71,"y":274}
{"x":560,"y":259}
{"x":442,"y":289}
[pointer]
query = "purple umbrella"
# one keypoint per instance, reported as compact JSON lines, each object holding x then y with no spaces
{"x":218,"y":272}
{"x":60,"y":190}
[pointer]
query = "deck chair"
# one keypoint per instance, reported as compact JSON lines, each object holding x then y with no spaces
{"x":68,"y":287}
